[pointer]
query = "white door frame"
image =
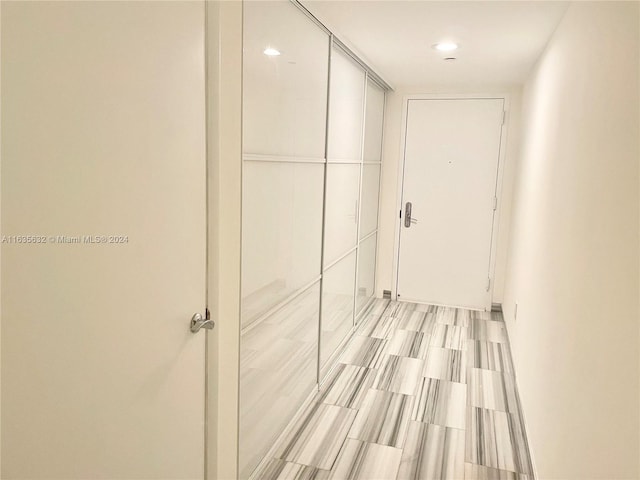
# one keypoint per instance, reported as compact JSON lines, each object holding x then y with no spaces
{"x":224,"y":156}
{"x":499,"y":180}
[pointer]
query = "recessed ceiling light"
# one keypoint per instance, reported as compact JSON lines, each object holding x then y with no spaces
{"x":446,"y":46}
{"x":271,"y":52}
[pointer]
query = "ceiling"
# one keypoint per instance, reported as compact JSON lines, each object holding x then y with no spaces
{"x":499,"y":40}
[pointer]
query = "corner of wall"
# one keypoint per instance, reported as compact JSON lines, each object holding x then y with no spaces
{"x":506,"y":191}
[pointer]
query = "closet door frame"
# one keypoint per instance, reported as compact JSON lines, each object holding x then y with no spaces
{"x":325,"y":368}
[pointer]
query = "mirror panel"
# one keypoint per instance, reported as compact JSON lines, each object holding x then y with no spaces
{"x":366,"y":272}
{"x":281,"y":230}
{"x":346,"y":108}
{"x":374,"y":118}
{"x":341,"y":210}
{"x":337,"y":305}
{"x":370,"y":192}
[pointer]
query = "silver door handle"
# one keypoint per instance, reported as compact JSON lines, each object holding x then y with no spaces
{"x":197,"y":322}
{"x":408,"y":220}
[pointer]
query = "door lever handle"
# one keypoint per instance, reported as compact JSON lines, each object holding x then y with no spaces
{"x":408,"y":219}
{"x":197,"y":322}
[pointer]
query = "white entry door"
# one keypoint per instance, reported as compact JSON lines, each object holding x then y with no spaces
{"x":103,"y":227}
{"x":452,"y":150}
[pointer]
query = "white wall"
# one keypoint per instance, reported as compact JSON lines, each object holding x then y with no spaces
{"x":389,"y":183}
{"x":573,"y":261}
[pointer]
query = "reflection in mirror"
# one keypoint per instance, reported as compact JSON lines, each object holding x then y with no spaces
{"x":366,"y":272}
{"x":282,"y":230}
{"x":289,"y":188}
{"x":374,"y":117}
{"x":284,"y":96}
{"x":341,"y":210}
{"x":346,"y":105}
{"x":337,"y":306}
{"x":278,"y":367}
{"x":370,"y":191}
{"x":285,"y":77}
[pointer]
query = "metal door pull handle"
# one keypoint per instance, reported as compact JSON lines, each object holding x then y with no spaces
{"x":197,"y":322}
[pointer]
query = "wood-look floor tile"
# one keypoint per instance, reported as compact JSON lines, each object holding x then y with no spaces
{"x":496,"y":439}
{"x":347,"y":386}
{"x":317,"y":438}
{"x":432,"y":452}
{"x":422,"y":392}
{"x":425,"y":307}
{"x":363,"y":351}
{"x":441,"y":402}
{"x":383,"y":418}
{"x":452,"y":316}
{"x":492,"y":390}
{"x":478,"y":472}
{"x":488,"y":330}
{"x":446,"y":364}
{"x":399,"y":374}
{"x":416,"y":322}
{"x":449,"y":336}
{"x":489,"y":356}
{"x":377,"y":326}
{"x":366,"y":461}
{"x":406,"y":343}
{"x":282,"y":470}
{"x":402,"y":309}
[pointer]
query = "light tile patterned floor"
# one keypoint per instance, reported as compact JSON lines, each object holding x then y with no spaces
{"x":420,"y":393}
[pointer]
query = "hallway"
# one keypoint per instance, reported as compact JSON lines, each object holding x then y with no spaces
{"x":420,"y":392}
{"x":320,"y":239}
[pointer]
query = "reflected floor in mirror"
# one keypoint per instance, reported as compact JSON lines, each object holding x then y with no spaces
{"x":420,"y":392}
{"x":278,"y":366}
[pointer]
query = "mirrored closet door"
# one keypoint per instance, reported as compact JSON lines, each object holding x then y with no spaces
{"x":312,"y":133}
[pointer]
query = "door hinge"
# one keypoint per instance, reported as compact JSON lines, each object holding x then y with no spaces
{"x":495,"y":203}
{"x":400,"y":213}
{"x":504,"y":117}
{"x":488,"y":284}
